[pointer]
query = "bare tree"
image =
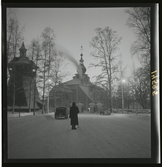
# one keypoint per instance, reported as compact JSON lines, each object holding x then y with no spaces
{"x":139,"y":84}
{"x":49,"y":61}
{"x":139,"y":21}
{"x":57,"y":74}
{"x":14,"y":36}
{"x":14,"y":39}
{"x":38,"y":55}
{"x":34,"y":55}
{"x":98,"y":93}
{"x":58,"y":68}
{"x":105,"y":44}
{"x":32,"y":48}
{"x":48,"y":43}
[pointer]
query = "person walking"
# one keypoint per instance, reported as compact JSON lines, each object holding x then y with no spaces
{"x":74,"y":115}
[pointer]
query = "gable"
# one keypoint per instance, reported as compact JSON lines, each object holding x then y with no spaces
{"x":72,"y":82}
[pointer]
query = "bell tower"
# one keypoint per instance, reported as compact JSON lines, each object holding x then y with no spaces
{"x":22,"y":72}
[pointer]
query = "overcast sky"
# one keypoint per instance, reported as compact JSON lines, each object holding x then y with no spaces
{"x":75,"y":27}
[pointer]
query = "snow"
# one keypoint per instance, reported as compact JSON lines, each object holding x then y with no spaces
{"x":98,"y":136}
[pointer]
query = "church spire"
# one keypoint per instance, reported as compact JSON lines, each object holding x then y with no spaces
{"x":81,"y":59}
{"x":23,"y":50}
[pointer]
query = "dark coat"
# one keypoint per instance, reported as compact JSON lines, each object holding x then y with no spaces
{"x":74,"y":115}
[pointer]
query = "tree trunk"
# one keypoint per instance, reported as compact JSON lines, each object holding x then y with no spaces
{"x":34,"y":96}
{"x":30,"y":86}
{"x":13,"y":103}
{"x":48,"y":76}
{"x":43,"y":109}
{"x":14,"y":87}
{"x":30,"y":97}
{"x":35,"y":83}
{"x":19,"y":111}
{"x":110,"y":86}
{"x":14,"y":74}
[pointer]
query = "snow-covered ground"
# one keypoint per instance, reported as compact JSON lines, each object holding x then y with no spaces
{"x":98,"y":136}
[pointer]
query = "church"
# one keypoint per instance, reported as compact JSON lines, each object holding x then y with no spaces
{"x":75,"y":90}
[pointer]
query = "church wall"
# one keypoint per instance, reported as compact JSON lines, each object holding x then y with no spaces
{"x":26,"y":84}
{"x":77,"y":96}
{"x":74,"y":96}
{"x":10,"y":92}
{"x":20,"y":98}
{"x":64,"y":100}
{"x":83,"y":98}
{"x":52,"y":103}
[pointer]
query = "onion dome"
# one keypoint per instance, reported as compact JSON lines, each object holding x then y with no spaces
{"x":83,"y":68}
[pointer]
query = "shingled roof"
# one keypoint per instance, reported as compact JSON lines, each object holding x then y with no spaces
{"x":21,"y":61}
{"x":85,"y":89}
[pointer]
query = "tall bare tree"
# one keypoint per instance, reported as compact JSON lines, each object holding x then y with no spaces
{"x":14,"y":35}
{"x":48,"y":43}
{"x":141,"y":91}
{"x":50,"y":63}
{"x":140,"y":21}
{"x":105,"y":44}
{"x":31,"y":55}
{"x":98,"y":93}
{"x":14,"y":39}
{"x":38,"y":55}
{"x":34,"y":53}
{"x":57,"y":74}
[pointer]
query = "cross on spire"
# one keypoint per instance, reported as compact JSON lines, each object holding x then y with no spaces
{"x":81,"y":49}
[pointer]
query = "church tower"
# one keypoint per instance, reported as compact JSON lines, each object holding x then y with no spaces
{"x":22,"y":82}
{"x":82,"y":62}
{"x":85,"y":79}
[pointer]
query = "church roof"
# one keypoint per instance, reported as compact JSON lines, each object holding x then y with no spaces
{"x":62,"y":88}
{"x":85,"y":89}
{"x":21,"y":61}
{"x":23,"y":47}
{"x":73,"y":82}
{"x":27,"y":88}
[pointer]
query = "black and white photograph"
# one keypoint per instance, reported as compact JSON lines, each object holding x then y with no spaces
{"x":80,"y":84}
